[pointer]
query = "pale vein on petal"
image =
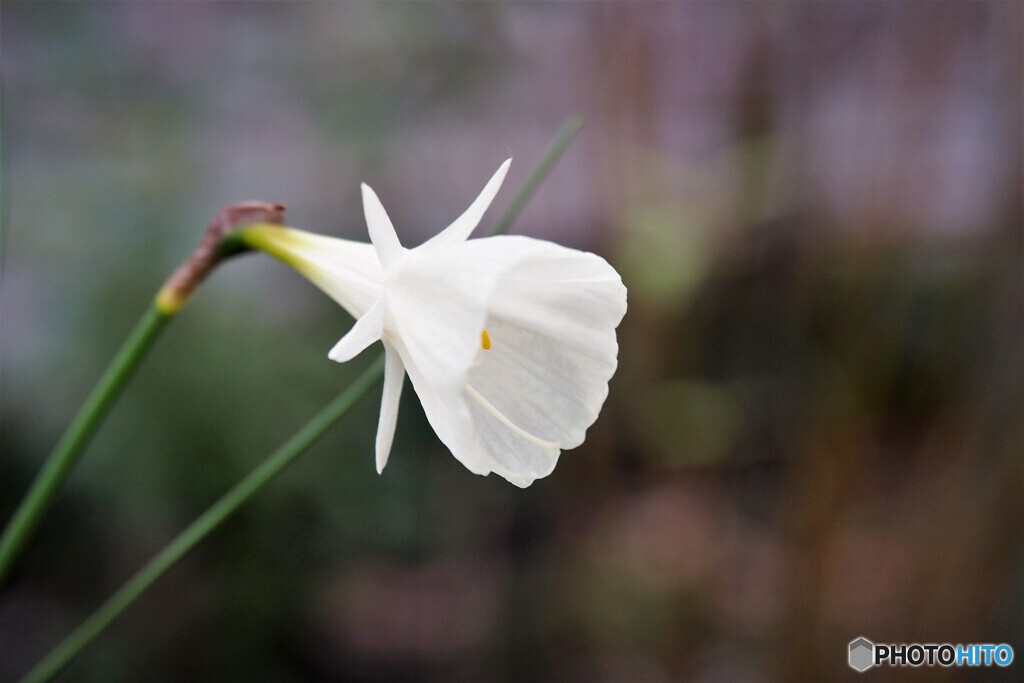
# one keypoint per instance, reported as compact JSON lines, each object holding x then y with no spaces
{"x":498,"y":415}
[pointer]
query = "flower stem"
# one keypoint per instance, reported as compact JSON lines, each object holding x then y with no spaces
{"x":220,"y":511}
{"x":204,"y":525}
{"x":569,"y":130}
{"x":217,"y":244}
{"x":77,"y":436}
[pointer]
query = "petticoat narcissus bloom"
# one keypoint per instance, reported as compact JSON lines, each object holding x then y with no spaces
{"x":509,"y":341}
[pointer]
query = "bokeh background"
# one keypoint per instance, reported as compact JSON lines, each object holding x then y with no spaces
{"x":815,"y":432}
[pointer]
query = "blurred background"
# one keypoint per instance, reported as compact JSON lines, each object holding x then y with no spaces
{"x":815,"y":432}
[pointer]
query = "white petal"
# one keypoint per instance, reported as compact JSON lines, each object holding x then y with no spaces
{"x":437,"y":305}
{"x":448,"y":415}
{"x":366,"y":331}
{"x":551,"y":325}
{"x":505,"y":447}
{"x":382,"y":232}
{"x":463,"y":226}
{"x":394,"y":378}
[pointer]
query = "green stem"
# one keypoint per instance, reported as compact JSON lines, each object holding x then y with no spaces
{"x":204,"y":526}
{"x":561,"y":141}
{"x":217,"y":245}
{"x":208,"y":522}
{"x":77,"y":436}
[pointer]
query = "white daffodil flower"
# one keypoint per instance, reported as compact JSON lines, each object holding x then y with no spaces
{"x":509,"y":341}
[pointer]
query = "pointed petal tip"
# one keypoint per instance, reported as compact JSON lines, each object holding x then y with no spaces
{"x":369,"y":195}
{"x":499,"y":175}
{"x":382,"y":458}
{"x":366,"y":330}
{"x":342,"y":355}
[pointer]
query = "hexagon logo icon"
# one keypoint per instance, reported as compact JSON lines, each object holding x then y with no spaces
{"x":862,"y":654}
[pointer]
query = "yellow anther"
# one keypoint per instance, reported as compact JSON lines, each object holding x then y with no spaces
{"x":485,"y":340}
